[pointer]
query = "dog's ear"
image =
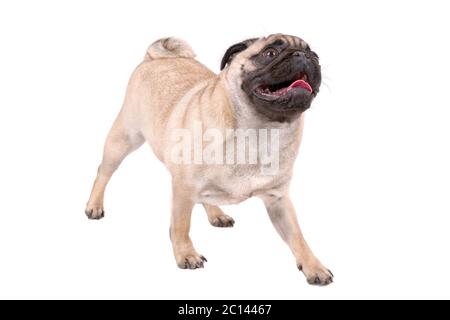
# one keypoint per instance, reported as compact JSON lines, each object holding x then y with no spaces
{"x":234,"y":50}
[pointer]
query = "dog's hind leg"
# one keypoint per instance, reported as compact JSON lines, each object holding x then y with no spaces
{"x":120,"y":142}
{"x":217,"y":217}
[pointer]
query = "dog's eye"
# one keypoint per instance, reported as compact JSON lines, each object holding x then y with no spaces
{"x":270,"y":53}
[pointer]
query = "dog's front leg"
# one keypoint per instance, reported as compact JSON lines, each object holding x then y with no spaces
{"x":185,"y":254}
{"x":284,"y":219}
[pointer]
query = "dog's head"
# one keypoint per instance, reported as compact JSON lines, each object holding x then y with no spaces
{"x":278,"y":76}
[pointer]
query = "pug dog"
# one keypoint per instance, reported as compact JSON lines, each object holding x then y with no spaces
{"x":265,"y":83}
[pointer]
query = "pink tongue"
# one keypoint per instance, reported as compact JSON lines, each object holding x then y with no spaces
{"x":302,"y":84}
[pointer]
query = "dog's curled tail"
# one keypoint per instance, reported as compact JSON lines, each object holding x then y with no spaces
{"x":169,"y":48}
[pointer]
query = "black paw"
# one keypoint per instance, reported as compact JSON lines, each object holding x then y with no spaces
{"x":192,"y":262}
{"x":95,"y":213}
{"x":223,"y":221}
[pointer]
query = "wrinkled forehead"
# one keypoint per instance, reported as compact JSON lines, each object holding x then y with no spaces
{"x":244,"y":59}
{"x":291,"y":41}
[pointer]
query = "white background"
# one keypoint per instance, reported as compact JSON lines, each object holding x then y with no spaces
{"x":372,"y":181}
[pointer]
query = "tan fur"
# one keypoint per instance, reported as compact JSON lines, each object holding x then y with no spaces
{"x":169,"y":48}
{"x":171,"y":90}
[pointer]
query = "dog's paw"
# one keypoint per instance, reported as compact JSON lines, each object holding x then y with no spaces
{"x":316,"y":274}
{"x":94,"y":212}
{"x":191,"y":261}
{"x":222,"y":221}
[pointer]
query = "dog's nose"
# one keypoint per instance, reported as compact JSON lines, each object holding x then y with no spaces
{"x":301,"y":58}
{"x":299,"y":55}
